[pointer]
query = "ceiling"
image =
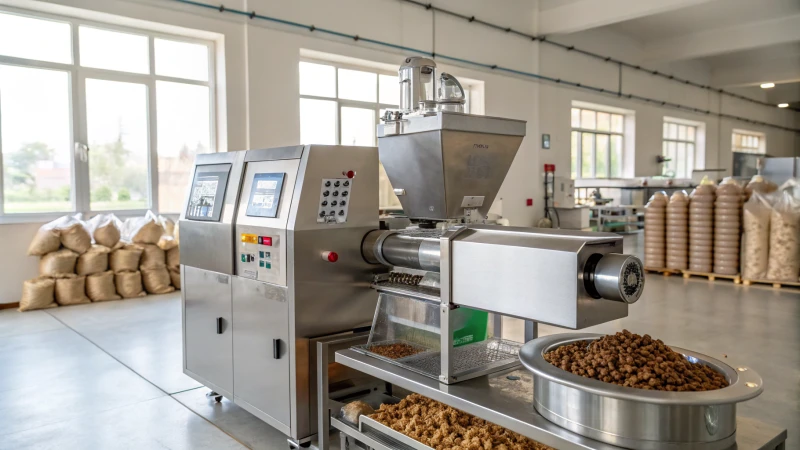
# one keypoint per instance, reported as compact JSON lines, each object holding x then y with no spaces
{"x":743,"y":42}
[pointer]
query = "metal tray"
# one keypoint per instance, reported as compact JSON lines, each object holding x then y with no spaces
{"x":365,"y":425}
{"x":638,"y":418}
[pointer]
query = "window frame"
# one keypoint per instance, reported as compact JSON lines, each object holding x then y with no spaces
{"x":595,"y":132}
{"x":694,"y":143}
{"x":761,"y":137}
{"x":80,"y":192}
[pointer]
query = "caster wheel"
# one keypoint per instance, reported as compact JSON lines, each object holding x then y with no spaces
{"x":306,"y":444}
{"x":218,"y":398}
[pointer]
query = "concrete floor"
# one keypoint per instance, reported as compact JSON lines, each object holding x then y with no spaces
{"x":108,"y":375}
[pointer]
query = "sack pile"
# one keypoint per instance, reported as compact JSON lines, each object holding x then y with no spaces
{"x":102,"y":259}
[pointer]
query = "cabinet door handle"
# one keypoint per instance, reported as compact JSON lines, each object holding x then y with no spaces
{"x":276,"y":348}
{"x":219,"y":325}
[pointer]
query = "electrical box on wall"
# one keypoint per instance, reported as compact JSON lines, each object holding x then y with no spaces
{"x":563,"y":192}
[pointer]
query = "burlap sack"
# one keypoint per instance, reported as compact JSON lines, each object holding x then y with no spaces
{"x":71,"y":291}
{"x":149,"y":233}
{"x":125,"y":259}
{"x":174,"y":258}
{"x":93,"y":261}
{"x":107,"y":235}
{"x":58,"y":263}
{"x":129,"y":284}
{"x":45,"y":241}
{"x":175,"y":276}
{"x":157,"y":281}
{"x":152,"y":257}
{"x":76,"y":238}
{"x":176,"y":232}
{"x":100,"y":287}
{"x":167,"y":243}
{"x":37,"y":293}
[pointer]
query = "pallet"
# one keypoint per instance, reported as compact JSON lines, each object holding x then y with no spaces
{"x":775,"y":284}
{"x":712,"y":276}
{"x":662,"y":270}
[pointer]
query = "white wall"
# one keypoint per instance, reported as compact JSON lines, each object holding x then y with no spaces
{"x":260,"y":74}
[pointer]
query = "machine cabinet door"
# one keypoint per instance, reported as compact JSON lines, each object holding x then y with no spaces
{"x":261,"y":347}
{"x":207,"y":327}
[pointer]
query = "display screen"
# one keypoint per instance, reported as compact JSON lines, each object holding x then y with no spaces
{"x":208,"y":192}
{"x":265,"y":195}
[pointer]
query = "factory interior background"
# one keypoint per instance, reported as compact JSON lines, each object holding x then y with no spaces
{"x":104,"y":105}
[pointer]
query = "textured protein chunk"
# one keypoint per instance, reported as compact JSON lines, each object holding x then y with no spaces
{"x":445,"y":428}
{"x":38,"y":293}
{"x":630,"y":360}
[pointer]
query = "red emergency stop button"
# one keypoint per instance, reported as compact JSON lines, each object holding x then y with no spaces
{"x":350,"y":174}
{"x":330,"y":256}
{"x":265,"y":240}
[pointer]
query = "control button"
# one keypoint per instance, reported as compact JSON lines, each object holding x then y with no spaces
{"x":341,"y":213}
{"x":343,"y":202}
{"x":350,"y":174}
{"x":322,"y":213}
{"x":332,"y":213}
{"x":333,"y":203}
{"x":267,"y":265}
{"x":260,"y":254}
{"x":346,"y":183}
{"x":336,"y":184}
{"x":344,"y":194}
{"x":244,"y":257}
{"x":327,"y":184}
{"x":335,"y":193}
{"x":267,"y":255}
{"x":265,"y":240}
{"x":326,"y":193}
{"x":324,"y":203}
{"x":261,"y":263}
{"x":330,"y":256}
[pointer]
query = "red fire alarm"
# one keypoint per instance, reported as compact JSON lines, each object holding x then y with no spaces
{"x":529,"y":202}
{"x":549,"y":168}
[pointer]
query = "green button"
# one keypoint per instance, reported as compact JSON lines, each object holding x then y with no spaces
{"x":268,"y":265}
{"x":261,"y":263}
{"x":260,"y":254}
{"x":244,"y":257}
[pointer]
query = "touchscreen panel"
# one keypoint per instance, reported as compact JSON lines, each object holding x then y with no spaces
{"x":265,"y":195}
{"x":207,"y":194}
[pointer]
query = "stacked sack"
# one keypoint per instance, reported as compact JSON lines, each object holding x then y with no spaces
{"x":727,"y":227}
{"x":100,"y":286}
{"x":755,"y":220}
{"x":784,"y":235}
{"x":173,"y":249}
{"x":146,"y":233}
{"x":59,"y":244}
{"x":759,"y":184}
{"x":701,"y":228}
{"x":678,"y":231}
{"x":655,"y":217}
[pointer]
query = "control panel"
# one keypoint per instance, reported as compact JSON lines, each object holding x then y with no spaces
{"x":259,"y":257}
{"x":334,"y":200}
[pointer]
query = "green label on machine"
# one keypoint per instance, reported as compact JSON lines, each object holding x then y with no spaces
{"x":471,"y":326}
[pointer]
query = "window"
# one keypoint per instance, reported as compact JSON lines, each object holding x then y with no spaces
{"x":748,"y":142}
{"x":108,"y":123}
{"x":340,"y":105}
{"x":597,"y":143}
{"x":678,"y":148}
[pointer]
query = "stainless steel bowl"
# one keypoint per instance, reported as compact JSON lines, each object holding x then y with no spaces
{"x":638,"y":418}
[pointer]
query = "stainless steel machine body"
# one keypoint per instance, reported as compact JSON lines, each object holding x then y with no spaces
{"x":295,"y":222}
{"x":638,"y":418}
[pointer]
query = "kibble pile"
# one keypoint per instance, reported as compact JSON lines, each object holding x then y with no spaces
{"x":628,"y":359}
{"x":394,"y":351}
{"x":444,"y":428}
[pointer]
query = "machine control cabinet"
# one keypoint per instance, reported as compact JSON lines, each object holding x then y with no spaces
{"x":207,"y":269}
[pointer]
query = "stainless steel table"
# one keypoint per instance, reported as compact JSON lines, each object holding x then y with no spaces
{"x":506,"y":398}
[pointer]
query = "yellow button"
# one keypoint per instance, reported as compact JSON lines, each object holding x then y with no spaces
{"x":249,"y":238}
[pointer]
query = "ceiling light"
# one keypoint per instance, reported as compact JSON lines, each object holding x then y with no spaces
{"x":767,"y":85}
{"x":783,"y":105}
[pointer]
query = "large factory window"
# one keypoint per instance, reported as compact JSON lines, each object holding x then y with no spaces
{"x":678,"y":148}
{"x":343,"y":103}
{"x":597,"y":143}
{"x":95,"y":117}
{"x":748,"y":142}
